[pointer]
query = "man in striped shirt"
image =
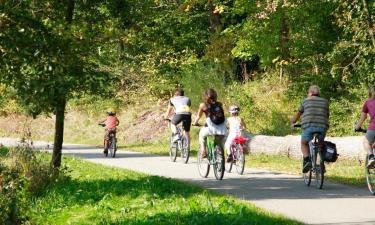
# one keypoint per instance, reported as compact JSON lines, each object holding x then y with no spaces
{"x":315,"y":114}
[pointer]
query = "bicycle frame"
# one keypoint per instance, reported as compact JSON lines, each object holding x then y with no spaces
{"x":238,"y":141}
{"x":211,"y":143}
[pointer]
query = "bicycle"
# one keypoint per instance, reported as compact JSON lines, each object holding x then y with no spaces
{"x":111,"y":144}
{"x":317,"y":160}
{"x":215,"y":157}
{"x":238,"y":151}
{"x":369,"y":171}
{"x":179,"y":145}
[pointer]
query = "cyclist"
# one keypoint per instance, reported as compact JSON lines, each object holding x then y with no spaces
{"x":236,"y":128}
{"x":215,"y":119}
{"x":315,"y":114}
{"x":181,"y":106}
{"x":369,"y":108}
{"x":111,"y":122}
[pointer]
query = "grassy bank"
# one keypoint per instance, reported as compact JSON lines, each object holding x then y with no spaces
{"x":97,"y":194}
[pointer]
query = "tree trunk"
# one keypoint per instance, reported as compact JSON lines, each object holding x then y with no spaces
{"x":69,"y":11}
{"x":284,"y":36}
{"x":59,"y":133}
{"x":369,"y":22}
{"x":61,"y":104}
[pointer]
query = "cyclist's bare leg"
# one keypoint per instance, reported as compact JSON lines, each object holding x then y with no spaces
{"x":203,"y":133}
{"x":305,"y":148}
{"x":173,"y":128}
{"x":367,"y":146}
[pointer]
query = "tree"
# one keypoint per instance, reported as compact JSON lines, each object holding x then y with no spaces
{"x":48,"y":58}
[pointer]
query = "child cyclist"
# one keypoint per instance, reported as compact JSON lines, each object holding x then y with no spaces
{"x":236,"y":128}
{"x":110,"y":124}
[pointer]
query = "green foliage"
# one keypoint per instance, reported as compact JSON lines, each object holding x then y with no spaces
{"x":264,"y":105}
{"x":23,"y":174}
{"x":199,"y":76}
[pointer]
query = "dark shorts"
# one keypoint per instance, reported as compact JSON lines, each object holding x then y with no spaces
{"x":185,"y":118}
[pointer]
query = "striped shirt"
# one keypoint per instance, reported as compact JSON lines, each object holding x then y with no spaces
{"x":315,"y":112}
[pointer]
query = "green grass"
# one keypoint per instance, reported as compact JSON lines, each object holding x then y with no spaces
{"x":97,"y":194}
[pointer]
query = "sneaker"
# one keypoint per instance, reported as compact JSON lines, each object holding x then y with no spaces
{"x":371,"y":161}
{"x":230,"y":158}
{"x":306,"y":165}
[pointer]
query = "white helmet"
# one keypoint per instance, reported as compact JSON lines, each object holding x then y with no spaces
{"x":234,"y":109}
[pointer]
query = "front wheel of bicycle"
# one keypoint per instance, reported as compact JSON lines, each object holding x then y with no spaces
{"x":240,"y":162}
{"x":370,"y":177}
{"x":203,"y":164}
{"x":185,"y":150}
{"x":319,"y":170}
{"x":172,"y":150}
{"x":219,"y":164}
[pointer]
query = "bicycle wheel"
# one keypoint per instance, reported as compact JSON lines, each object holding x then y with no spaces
{"x":110,"y":147}
{"x":185,"y":150}
{"x":114,"y":147}
{"x":307,"y":176}
{"x":319,"y":170}
{"x":219,"y":164}
{"x":203,"y":164}
{"x":173,"y":150}
{"x":370,"y":177}
{"x":229,"y":165}
{"x":240,"y":162}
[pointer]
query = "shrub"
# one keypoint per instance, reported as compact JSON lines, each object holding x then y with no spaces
{"x":23,"y":174}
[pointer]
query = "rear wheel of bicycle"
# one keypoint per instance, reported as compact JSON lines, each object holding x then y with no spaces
{"x":114,"y":147}
{"x":240,"y":162}
{"x":370,"y":177}
{"x":185,"y":150}
{"x":219,"y":164}
{"x":319,"y":170}
{"x":173,"y":150}
{"x":307,"y":177}
{"x":203,"y":164}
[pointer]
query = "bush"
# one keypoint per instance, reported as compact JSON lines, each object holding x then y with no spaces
{"x":264,"y":105}
{"x":23,"y":174}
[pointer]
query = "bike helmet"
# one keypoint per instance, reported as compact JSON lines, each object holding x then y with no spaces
{"x":234,"y":109}
{"x":111,"y":111}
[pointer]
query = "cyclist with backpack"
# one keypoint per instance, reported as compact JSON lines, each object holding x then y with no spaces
{"x":368,"y":109}
{"x":215,"y":119}
{"x":314,"y":111}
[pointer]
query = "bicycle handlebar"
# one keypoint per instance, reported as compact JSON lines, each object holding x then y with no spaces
{"x":101,"y":124}
{"x":297,"y":125}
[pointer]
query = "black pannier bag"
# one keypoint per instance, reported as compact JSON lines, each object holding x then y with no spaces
{"x":330,"y":152}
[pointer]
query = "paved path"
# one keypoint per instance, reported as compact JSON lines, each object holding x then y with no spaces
{"x":280,"y":193}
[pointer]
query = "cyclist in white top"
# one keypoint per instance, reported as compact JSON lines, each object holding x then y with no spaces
{"x":236,"y":128}
{"x":180,"y":104}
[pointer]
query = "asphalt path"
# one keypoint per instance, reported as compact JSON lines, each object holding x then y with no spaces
{"x":280,"y":193}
